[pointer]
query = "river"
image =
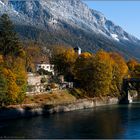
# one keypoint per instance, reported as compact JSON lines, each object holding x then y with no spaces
{"x":116,"y":121}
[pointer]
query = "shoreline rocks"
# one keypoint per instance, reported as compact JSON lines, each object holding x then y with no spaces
{"x":30,"y":111}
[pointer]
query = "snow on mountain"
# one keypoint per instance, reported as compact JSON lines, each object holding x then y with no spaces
{"x":44,"y":13}
{"x":16,"y":16}
{"x":75,"y":12}
{"x":114,"y":36}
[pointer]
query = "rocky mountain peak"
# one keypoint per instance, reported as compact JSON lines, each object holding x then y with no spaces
{"x":56,"y":14}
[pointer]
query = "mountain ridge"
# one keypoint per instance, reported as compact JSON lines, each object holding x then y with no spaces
{"x":70,"y":17}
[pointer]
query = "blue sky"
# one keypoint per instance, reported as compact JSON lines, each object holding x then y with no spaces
{"x":123,"y":13}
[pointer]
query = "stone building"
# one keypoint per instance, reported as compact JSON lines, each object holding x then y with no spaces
{"x":46,"y":66}
{"x":34,"y":83}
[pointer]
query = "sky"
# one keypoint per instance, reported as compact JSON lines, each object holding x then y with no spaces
{"x":123,"y":13}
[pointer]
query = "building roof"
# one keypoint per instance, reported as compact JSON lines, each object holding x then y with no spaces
{"x":77,"y":48}
{"x":42,"y":60}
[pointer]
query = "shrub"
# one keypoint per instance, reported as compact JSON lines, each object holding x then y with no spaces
{"x":43,"y":72}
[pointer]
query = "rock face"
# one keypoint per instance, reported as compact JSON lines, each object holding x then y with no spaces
{"x":74,"y":19}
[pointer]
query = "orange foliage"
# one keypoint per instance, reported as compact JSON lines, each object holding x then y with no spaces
{"x":121,"y":64}
{"x":64,"y":60}
{"x":131,"y":64}
{"x":102,"y":54}
{"x":14,"y":74}
{"x":69,"y":55}
{"x":12,"y":88}
{"x":85,"y":55}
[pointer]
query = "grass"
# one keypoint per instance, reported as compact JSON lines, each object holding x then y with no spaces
{"x":59,"y":97}
{"x":78,"y":93}
{"x":56,"y":97}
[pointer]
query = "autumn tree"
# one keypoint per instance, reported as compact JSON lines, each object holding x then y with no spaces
{"x":136,"y":72}
{"x":94,"y":73}
{"x":3,"y":89}
{"x":102,"y":74}
{"x":64,"y":61}
{"x":9,"y":88}
{"x":21,"y":77}
{"x":32,"y":54}
{"x":35,"y":54}
{"x":81,"y":69}
{"x":134,"y":68}
{"x":13,"y":81}
{"x":131,"y":64}
{"x":58,"y":49}
{"x":120,"y":71}
{"x":12,"y":64}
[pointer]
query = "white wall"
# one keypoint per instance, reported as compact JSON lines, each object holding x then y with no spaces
{"x":47,"y":67}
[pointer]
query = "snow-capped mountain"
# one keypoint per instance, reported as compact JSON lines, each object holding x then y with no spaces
{"x":74,"y":17}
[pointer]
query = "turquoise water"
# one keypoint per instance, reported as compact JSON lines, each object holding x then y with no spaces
{"x":117,"y":121}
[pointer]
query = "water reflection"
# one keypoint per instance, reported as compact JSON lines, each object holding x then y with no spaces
{"x":111,"y":124}
{"x":101,"y":122}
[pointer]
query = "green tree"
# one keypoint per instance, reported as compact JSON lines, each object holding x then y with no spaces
{"x":12,"y":65}
{"x":9,"y":42}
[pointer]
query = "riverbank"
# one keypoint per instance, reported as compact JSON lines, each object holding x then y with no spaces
{"x":30,"y":110}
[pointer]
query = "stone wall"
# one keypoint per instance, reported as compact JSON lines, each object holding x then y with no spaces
{"x":35,"y":110}
{"x":34,"y":83}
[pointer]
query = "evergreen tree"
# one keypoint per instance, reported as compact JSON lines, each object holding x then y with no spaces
{"x":9,"y":42}
{"x":12,"y":65}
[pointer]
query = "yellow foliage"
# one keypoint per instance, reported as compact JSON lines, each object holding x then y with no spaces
{"x":102,"y":55}
{"x":58,"y":49}
{"x":85,"y":55}
{"x":12,"y":87}
{"x":120,"y":71}
{"x":69,"y":55}
{"x":121,"y":64}
{"x":22,"y":53}
{"x":101,"y":74}
{"x":1,"y":59}
{"x":64,"y":60}
{"x":131,"y":64}
{"x":14,"y":76}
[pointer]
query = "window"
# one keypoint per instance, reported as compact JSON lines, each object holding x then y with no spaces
{"x":47,"y":67}
{"x":51,"y":67}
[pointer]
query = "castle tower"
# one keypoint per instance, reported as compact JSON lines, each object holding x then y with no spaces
{"x":78,"y":50}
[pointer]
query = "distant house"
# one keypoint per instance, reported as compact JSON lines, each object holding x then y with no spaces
{"x":46,"y":66}
{"x":78,"y":50}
